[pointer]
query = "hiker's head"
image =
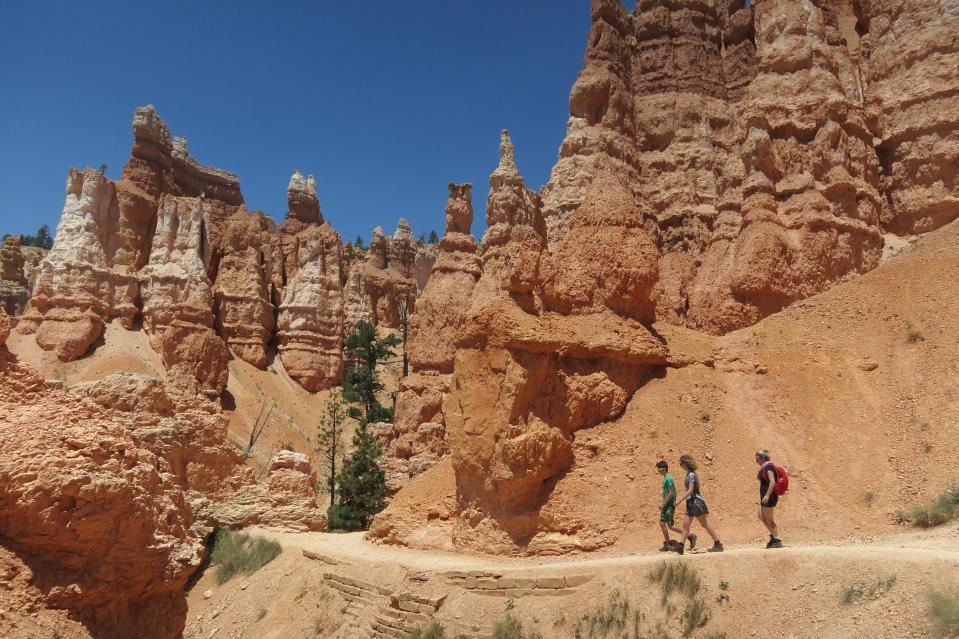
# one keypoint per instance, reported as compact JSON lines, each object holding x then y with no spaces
{"x":762,"y":456}
{"x":687,"y":462}
{"x":662,"y":466}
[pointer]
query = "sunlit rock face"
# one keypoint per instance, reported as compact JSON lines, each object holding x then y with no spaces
{"x":766,"y":149}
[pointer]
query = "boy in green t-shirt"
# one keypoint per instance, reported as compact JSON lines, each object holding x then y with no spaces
{"x":667,"y":508}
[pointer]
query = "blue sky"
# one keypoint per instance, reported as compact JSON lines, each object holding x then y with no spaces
{"x":385,"y":102}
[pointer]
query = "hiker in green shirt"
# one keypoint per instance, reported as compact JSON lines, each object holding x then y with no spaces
{"x":668,"y":507}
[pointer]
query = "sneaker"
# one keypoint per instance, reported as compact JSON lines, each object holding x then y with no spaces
{"x":678,"y":549}
{"x":717,"y":547}
{"x":667,"y":546}
{"x":692,"y":540}
{"x":769,"y":544}
{"x":775,"y":543}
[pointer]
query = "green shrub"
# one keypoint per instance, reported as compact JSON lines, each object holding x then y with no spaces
{"x":614,"y":618}
{"x":944,"y":612}
{"x":509,"y":627}
{"x":237,"y":553}
{"x":913,"y":334}
{"x":434,"y":630}
{"x":855,"y":592}
{"x":676,"y":576}
{"x":944,"y":509}
{"x":695,"y":616}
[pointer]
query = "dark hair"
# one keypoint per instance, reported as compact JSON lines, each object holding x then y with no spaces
{"x":662,"y":464}
{"x":687,"y":461}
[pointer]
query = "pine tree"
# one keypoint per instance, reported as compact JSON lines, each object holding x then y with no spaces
{"x":328,"y":443}
{"x":434,"y":238}
{"x":362,"y":383}
{"x":361,"y":491}
{"x":359,"y":242}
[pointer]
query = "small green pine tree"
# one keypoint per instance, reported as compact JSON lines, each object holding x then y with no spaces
{"x":434,"y":238}
{"x":359,"y":242}
{"x":362,"y":383}
{"x":361,"y":485}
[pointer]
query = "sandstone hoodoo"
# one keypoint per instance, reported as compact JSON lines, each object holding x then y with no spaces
{"x":716,"y":266}
{"x":173,"y":245}
{"x":418,"y":437}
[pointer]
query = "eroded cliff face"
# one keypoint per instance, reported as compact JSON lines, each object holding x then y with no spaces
{"x":86,"y":507}
{"x":417,"y":440}
{"x":765,"y":148}
{"x":13,"y":277}
{"x":172,"y":245}
{"x":550,"y":343}
{"x":108,"y":489}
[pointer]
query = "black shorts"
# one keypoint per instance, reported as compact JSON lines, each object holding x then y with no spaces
{"x":696,"y":506}
{"x":773,"y":499}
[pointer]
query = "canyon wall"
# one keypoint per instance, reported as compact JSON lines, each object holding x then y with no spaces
{"x":767,"y":149}
{"x":721,"y":162}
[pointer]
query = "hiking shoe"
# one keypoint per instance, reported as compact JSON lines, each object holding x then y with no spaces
{"x":769,"y":544}
{"x":774,"y":543}
{"x":716,"y":547}
{"x":692,"y":540}
{"x":668,"y":546}
{"x":678,"y":549}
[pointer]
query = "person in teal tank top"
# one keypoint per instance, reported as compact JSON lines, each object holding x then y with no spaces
{"x":667,"y":508}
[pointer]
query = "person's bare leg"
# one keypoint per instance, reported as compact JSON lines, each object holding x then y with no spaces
{"x":769,"y":518}
{"x":687,"y":522}
{"x":763,"y":518}
{"x":704,"y":522}
{"x":678,"y":531}
{"x":662,"y":526}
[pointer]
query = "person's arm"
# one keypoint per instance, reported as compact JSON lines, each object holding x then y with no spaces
{"x":669,"y":495}
{"x":771,"y":478}
{"x":689,"y":491}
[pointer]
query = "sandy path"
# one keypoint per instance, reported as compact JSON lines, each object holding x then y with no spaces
{"x":941,"y":545}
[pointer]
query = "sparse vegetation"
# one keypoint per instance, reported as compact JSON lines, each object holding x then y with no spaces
{"x":236,"y":553}
{"x":434,"y":630}
{"x":695,"y":616}
{"x":944,"y":509}
{"x":362,"y":383}
{"x":724,"y":585}
{"x":855,"y":592}
{"x":676,"y":576}
{"x":913,"y":334}
{"x":869,"y":497}
{"x":329,"y":444}
{"x":509,"y":627}
{"x":926,"y":447}
{"x":705,"y":416}
{"x":42,"y":239}
{"x":614,"y":618}
{"x":944,"y":611}
{"x":361,"y":489}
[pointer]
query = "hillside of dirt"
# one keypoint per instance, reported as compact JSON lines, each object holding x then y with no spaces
{"x":854,"y":391}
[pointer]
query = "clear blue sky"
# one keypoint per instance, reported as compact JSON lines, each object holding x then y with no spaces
{"x":385,"y":102}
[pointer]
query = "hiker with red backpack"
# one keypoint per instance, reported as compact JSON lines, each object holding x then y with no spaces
{"x":773,"y":483}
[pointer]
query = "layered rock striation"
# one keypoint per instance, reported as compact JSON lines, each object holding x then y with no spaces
{"x":14,"y":284}
{"x":765,"y":148}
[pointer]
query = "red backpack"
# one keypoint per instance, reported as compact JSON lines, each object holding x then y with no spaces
{"x":782,"y":479}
